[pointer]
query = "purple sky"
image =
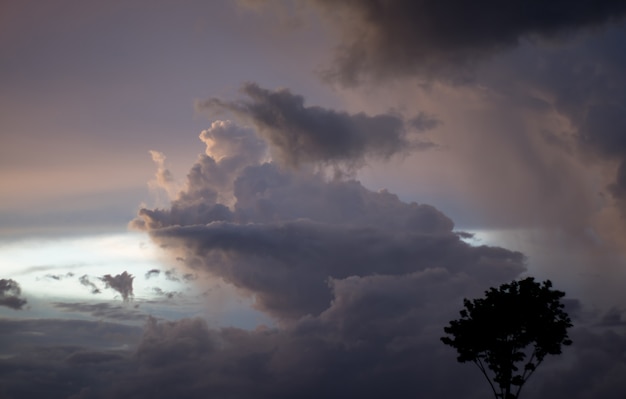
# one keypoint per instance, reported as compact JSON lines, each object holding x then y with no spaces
{"x":253,"y":199}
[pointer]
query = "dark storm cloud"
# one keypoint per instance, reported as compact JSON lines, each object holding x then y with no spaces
{"x":383,"y":39}
{"x":584,"y":83}
{"x":379,"y":338}
{"x":287,"y":265}
{"x":58,"y":358}
{"x":594,"y":370}
{"x":595,"y":101}
{"x":11,"y":294}
{"x":84,"y":280}
{"x":122,"y":283}
{"x":614,"y":317}
{"x":18,"y":334}
{"x":92,"y":357}
{"x":299,"y":134}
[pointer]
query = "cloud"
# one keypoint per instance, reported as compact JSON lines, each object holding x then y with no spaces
{"x":163,"y":178}
{"x":58,"y":277}
{"x":288,"y":233}
{"x":379,"y":337}
{"x":122,"y":283}
{"x":171,"y":275}
{"x":358,"y":282}
{"x":92,"y":357}
{"x":571,"y":97}
{"x":302,"y":135}
{"x":84,"y":280}
{"x":168,"y":294}
{"x":31,"y":333}
{"x":387,"y":39}
{"x":102,"y":310}
{"x":152,"y":273}
{"x":614,"y":317}
{"x":589,"y":88}
{"x":287,"y":265}
{"x":58,"y":358}
{"x":10,"y":294}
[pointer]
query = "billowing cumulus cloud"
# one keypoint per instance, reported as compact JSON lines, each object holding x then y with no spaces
{"x":11,"y":294}
{"x":358,"y":282}
{"x":310,"y":134}
{"x":289,"y":233}
{"x":383,"y":39}
{"x":122,"y":283}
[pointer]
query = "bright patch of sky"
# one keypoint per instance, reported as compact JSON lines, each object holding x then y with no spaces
{"x":50,"y":271}
{"x":52,"y":267}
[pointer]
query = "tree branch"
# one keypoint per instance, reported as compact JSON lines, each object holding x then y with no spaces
{"x":529,"y":374}
{"x":482,"y":369}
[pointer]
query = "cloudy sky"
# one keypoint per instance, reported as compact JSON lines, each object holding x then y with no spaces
{"x":281,"y":199}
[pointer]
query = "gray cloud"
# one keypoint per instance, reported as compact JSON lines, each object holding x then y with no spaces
{"x":167,"y":294}
{"x":92,"y":357}
{"x":299,"y":134}
{"x":152,"y":273}
{"x":386,"y":39}
{"x":581,"y":84}
{"x":590,"y":91}
{"x":171,"y":275}
{"x":58,"y":277}
{"x":262,"y":258}
{"x":122,"y":283}
{"x":84,"y":280}
{"x":10,"y":294}
{"x":614,"y":317}
{"x":379,"y":337}
{"x":288,"y":233}
{"x":58,"y":358}
{"x":102,"y":310}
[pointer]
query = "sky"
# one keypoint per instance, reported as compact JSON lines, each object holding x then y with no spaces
{"x":292,"y":198}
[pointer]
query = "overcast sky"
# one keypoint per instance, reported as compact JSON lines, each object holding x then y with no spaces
{"x":255,"y":199}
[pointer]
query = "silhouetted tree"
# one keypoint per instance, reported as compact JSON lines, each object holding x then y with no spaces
{"x":509,"y":332}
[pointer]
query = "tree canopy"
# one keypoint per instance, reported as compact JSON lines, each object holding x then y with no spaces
{"x":508,"y":333}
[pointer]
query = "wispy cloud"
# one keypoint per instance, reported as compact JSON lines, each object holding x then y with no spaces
{"x":84,"y":280}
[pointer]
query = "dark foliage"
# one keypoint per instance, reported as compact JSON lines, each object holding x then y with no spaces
{"x":509,"y":332}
